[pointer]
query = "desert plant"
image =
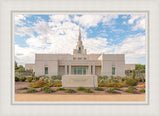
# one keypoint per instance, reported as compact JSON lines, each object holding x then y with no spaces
{"x":22,"y":79}
{"x":99,"y":89}
{"x":131,"y":82}
{"x":70,"y":91}
{"x":133,"y":74}
{"x":142,"y":90}
{"x":60,"y":89}
{"x":88,"y":91}
{"x":80,"y":88}
{"x":41,"y":83}
{"x":115,"y":88}
{"x":111,"y":90}
{"x":17,"y":79}
{"x":131,"y":89}
{"x":23,"y":88}
{"x":43,"y":88}
{"x":29,"y":79}
{"x":32,"y":90}
{"x":48,"y":90}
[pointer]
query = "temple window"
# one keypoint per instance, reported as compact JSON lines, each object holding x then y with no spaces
{"x":79,"y":50}
{"x":46,"y":70}
{"x":113,"y":70}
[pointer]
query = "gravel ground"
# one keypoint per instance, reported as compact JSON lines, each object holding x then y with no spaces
{"x":19,"y":85}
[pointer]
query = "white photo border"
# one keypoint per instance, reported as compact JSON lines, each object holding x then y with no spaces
{"x":150,"y":109}
{"x":146,"y":13}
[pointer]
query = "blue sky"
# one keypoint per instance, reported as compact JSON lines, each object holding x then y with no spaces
{"x":101,"y":33}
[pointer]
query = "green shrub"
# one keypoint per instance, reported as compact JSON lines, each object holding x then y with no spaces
{"x":131,"y":82}
{"x":131,"y":90}
{"x":17,"y":79}
{"x":23,"y":88}
{"x":60,"y":89}
{"x":99,"y":89}
{"x":44,"y":88}
{"x":142,"y":90}
{"x":80,"y":88}
{"x":88,"y":91}
{"x":115,"y":88}
{"x":70,"y":91}
{"x":111,"y":90}
{"x":29,"y":79}
{"x":32,"y":91}
{"x":22,"y":79}
{"x":48,"y":90}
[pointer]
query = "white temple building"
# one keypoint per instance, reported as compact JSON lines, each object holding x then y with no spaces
{"x":79,"y":64}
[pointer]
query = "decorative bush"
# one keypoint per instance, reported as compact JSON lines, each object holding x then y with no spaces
{"x":88,"y":91}
{"x":22,"y":79}
{"x":80,"y":88}
{"x":48,"y":90}
{"x":43,"y":88}
{"x":17,"y":79}
{"x":131,"y":90}
{"x":115,"y":88}
{"x":142,"y":90}
{"x":131,"y":82}
{"x":60,"y":89}
{"x":70,"y":91}
{"x":23,"y":88}
{"x":36,"y":78}
{"x":41,"y":83}
{"x":29,"y":79}
{"x":111,"y":90}
{"x":99,"y":89}
{"x":57,"y":85}
{"x":32,"y":91}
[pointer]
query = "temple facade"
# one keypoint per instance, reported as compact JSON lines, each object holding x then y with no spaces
{"x":79,"y":63}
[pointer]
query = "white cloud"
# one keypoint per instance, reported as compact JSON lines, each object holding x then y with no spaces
{"x":41,"y":27}
{"x":139,"y":21}
{"x":19,"y":19}
{"x":140,"y":24}
{"x":132,"y":47}
{"x":93,"y":20}
{"x":22,"y":31}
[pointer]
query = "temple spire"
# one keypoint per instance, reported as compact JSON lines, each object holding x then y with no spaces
{"x":79,"y":38}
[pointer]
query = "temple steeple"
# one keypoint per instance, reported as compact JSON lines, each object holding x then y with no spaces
{"x":79,"y":47}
